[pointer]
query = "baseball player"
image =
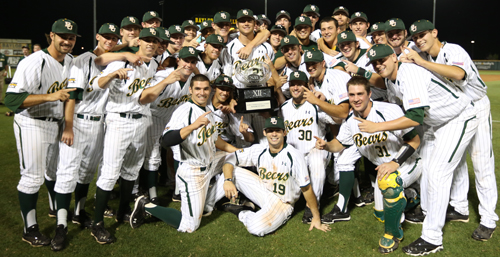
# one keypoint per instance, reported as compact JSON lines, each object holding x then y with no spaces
{"x":177,"y":37}
{"x":265,"y":22}
{"x":377,"y":32}
{"x":209,"y":63}
{"x":303,"y":28}
{"x":129,"y":31}
{"x":281,"y":171}
{"x":396,"y":34}
{"x":3,"y":73}
{"x":206,"y":30}
{"x":173,"y":93}
{"x":448,"y":112}
{"x":284,"y":19}
{"x":127,"y":118}
{"x":359,"y":25}
{"x":193,"y":127}
{"x":328,"y":41}
{"x":392,"y":151}
{"x":341,"y":14}
{"x":303,"y":121}
{"x":161,"y":52}
{"x":37,"y":94}
{"x":312,"y":11}
{"x":82,"y":138}
{"x":151,"y":19}
{"x":278,"y":32}
{"x":291,"y":54}
{"x":450,"y":61}
{"x":191,"y":31}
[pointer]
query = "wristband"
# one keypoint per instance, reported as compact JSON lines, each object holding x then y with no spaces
{"x":228,"y":179}
{"x":404,"y":153}
{"x":364,"y":73}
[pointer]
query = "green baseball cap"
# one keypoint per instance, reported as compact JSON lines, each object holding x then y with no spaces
{"x":224,"y":81}
{"x":190,"y":24}
{"x":150,"y":32}
{"x":215,"y":39}
{"x":341,"y":9}
{"x":263,"y":17}
{"x":311,"y":8}
{"x":164,"y":34}
{"x":303,"y":20}
{"x":205,"y":25}
{"x":244,"y":13}
{"x":109,"y":28}
{"x":150,"y":15}
{"x":176,"y":29}
{"x":346,"y":36}
{"x":289,"y":40}
{"x":188,"y":51}
{"x":274,"y":122}
{"x":393,"y":24}
{"x":298,"y":75}
{"x":420,"y":26}
{"x":379,"y":51}
{"x":222,"y":17}
{"x":278,"y":28}
{"x":130,"y":20}
{"x":283,"y":13}
{"x":313,"y":56}
{"x":65,"y":26}
{"x":378,"y":26}
{"x":357,"y":16}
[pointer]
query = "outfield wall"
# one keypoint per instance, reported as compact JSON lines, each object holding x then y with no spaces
{"x":487,"y":64}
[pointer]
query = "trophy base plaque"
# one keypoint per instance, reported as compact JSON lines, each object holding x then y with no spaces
{"x":256,"y":99}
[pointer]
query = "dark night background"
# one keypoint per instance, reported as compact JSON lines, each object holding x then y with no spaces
{"x":458,"y":21}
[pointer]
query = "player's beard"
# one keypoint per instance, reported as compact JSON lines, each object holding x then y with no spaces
{"x":65,"y":48}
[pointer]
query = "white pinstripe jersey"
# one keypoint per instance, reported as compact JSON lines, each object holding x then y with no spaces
{"x":212,"y":72}
{"x":334,"y":86}
{"x":453,"y":54}
{"x":38,"y":74}
{"x":379,"y":147}
{"x":289,"y":69}
{"x":283,"y":173}
{"x":83,"y":75}
{"x":230,"y":59}
{"x":171,"y":97}
{"x":363,"y":44}
{"x":228,"y":125}
{"x":198,"y":149}
{"x":417,"y":87}
{"x":361,"y":61}
{"x":302,"y":123}
{"x":124,"y":94}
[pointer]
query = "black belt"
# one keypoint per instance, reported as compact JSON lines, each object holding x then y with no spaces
{"x":201,"y":168}
{"x":130,"y":115}
{"x":47,"y":119}
{"x":94,"y":118}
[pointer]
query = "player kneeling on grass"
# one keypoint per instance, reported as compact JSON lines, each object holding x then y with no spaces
{"x":393,"y":152}
{"x":282,"y":175}
{"x":193,"y":127}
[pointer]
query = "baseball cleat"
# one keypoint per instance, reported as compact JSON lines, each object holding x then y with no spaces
{"x":307,"y":218}
{"x":155,"y":200}
{"x":59,"y":239}
{"x":235,"y":208}
{"x":52,"y":213}
{"x":335,"y":215}
{"x":387,"y":244}
{"x":83,"y":219}
{"x":176,"y":198}
{"x":101,"y":235}
{"x":420,"y":248}
{"x":453,"y":215}
{"x":139,"y":213}
{"x":34,"y":237}
{"x":416,"y":216}
{"x":123,"y":218}
{"x":483,"y":233}
{"x":206,"y":213}
{"x":109,"y":212}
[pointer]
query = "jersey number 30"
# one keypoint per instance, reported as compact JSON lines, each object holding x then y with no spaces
{"x":305,"y":134}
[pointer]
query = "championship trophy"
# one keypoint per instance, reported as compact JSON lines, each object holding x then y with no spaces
{"x":256,"y":96}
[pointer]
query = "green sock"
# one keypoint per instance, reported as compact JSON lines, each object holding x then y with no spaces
{"x":63,"y":201}
{"x":346,"y":182}
{"x":168,"y":215}
{"x":81,"y":191}
{"x":126,"y":187}
{"x":152,"y":183}
{"x":52,"y":194}
{"x":28,"y":208}
{"x":101,"y":200}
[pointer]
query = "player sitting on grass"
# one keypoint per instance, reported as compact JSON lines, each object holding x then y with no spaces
{"x":393,"y":152}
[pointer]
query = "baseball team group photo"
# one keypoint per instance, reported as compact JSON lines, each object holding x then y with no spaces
{"x":312,"y":130}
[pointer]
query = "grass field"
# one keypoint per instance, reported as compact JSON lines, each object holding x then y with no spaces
{"x":221,"y":234}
